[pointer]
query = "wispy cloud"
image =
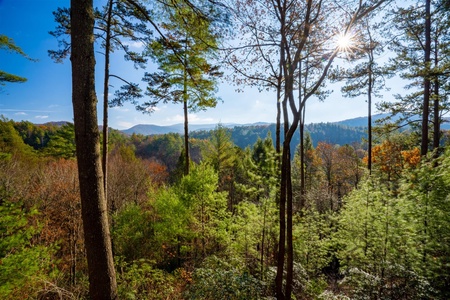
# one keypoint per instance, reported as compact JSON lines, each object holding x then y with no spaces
{"x":121,"y":109}
{"x":193,"y":119}
{"x":124,"y":125}
{"x":134,"y":44}
{"x":41,"y":117}
{"x":20,"y":113}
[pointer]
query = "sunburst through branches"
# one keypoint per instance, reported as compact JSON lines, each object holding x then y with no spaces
{"x":346,"y":43}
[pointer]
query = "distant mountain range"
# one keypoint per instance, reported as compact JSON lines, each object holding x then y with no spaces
{"x":243,"y":135}
{"x":150,"y":129}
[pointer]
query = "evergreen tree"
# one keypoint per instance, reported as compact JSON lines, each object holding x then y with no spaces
{"x":25,"y":265}
{"x":186,"y":74}
{"x":421,"y":46}
{"x":8,"y":44}
{"x":102,"y":276}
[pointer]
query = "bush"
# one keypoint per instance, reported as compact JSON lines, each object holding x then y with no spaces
{"x":217,"y":279}
{"x":25,"y":267}
{"x":141,"y":280}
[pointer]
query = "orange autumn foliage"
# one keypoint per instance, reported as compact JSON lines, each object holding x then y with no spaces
{"x":391,"y":159}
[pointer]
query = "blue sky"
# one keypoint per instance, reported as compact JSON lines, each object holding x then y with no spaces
{"x":46,"y":96}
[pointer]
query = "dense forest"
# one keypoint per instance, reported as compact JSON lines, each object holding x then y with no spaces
{"x":246,"y":136}
{"x":286,"y":211}
{"x":213,"y":234}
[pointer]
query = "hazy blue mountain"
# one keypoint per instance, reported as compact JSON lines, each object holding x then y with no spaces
{"x":343,"y":132}
{"x":149,"y":129}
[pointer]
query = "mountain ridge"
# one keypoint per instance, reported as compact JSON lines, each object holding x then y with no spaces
{"x":152,"y":129}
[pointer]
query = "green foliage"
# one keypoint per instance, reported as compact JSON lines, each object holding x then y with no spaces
{"x":37,"y":136}
{"x":140,"y":280}
{"x":262,"y":170}
{"x":313,"y":240}
{"x":62,"y":142}
{"x":185,"y":73}
{"x":221,"y":153}
{"x":133,"y":233}
{"x":10,"y":140}
{"x":253,"y":229}
{"x":395,"y":243}
{"x":399,"y":283}
{"x":185,"y":222}
{"x":373,"y":235}
{"x":428,"y":190}
{"x":8,"y":44}
{"x":218,"y":279}
{"x":198,"y":194}
{"x":24,"y":265}
{"x":164,"y":148}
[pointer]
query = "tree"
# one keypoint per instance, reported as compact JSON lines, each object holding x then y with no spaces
{"x":221,"y":153}
{"x":25,"y":265}
{"x":62,"y":142}
{"x":186,"y":74}
{"x":191,"y":218}
{"x":378,"y":248}
{"x":114,"y":26}
{"x":8,"y":44}
{"x":421,"y":47}
{"x":367,"y":77}
{"x":102,"y":276}
{"x":301,"y":30}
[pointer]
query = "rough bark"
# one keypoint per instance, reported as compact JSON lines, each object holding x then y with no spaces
{"x":102,"y":278}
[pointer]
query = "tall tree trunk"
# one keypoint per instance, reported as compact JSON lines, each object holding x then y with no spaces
{"x":278,"y":120}
{"x":186,"y":126}
{"x":301,"y":130}
{"x":105,"y":101}
{"x":436,"y":111}
{"x":289,"y":226}
{"x":102,"y":277}
{"x":282,"y":203}
{"x":282,"y":218}
{"x":427,"y":82}
{"x":263,"y":240}
{"x":369,"y":113}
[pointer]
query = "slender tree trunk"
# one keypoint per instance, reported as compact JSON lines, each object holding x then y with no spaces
{"x":369,"y":117}
{"x":302,"y":161}
{"x":263,"y":239}
{"x":436,"y":111}
{"x":289,"y":227}
{"x":278,"y":120}
{"x":102,"y":277}
{"x":282,"y":203}
{"x":282,"y":220}
{"x":302,"y":137}
{"x":427,"y":82}
{"x":186,"y":126}
{"x":105,"y":100}
{"x":112,"y":205}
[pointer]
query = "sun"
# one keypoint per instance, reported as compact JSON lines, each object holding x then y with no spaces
{"x":344,"y":42}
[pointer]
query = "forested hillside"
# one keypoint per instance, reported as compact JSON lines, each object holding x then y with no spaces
{"x":281,"y":211}
{"x":213,"y":234}
{"x":332,"y":133}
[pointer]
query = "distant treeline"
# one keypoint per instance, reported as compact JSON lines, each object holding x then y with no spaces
{"x":332,"y":133}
